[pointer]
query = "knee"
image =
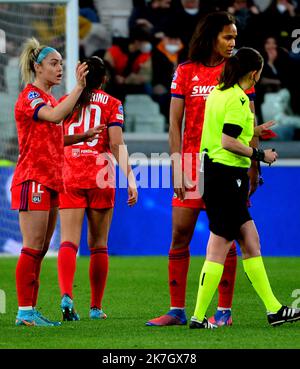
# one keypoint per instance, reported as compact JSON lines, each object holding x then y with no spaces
{"x":97,"y":243}
{"x":181,"y":237}
{"x":37,"y":241}
{"x":251,"y":247}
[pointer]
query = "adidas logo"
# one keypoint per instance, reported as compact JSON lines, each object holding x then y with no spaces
{"x":196,"y":78}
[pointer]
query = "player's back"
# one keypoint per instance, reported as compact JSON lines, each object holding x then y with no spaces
{"x":80,"y":166}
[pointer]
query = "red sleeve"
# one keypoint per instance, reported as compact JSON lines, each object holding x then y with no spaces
{"x":62,"y":98}
{"x":32,"y":102}
{"x":117,"y":115}
{"x":178,"y":88}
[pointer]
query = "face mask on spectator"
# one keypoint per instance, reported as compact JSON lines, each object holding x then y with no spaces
{"x":281,"y":8}
{"x":146,"y":47}
{"x":191,"y":11}
{"x":172,"y":48}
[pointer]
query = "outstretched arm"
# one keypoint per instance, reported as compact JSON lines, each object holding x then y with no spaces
{"x":86,"y":136}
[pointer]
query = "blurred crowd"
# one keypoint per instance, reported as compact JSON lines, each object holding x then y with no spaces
{"x":159,"y":35}
{"x":159,"y":31}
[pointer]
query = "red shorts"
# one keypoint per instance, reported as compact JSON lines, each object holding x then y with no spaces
{"x":194,"y":203}
{"x":95,"y":198}
{"x":31,"y":195}
{"x":189,"y":203}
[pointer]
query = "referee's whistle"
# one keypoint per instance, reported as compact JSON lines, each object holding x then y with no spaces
{"x":273,"y":151}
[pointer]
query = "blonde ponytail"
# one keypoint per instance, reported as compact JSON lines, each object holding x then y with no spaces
{"x":31,"y":50}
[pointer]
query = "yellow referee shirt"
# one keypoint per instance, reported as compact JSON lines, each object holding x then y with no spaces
{"x":228,"y":106}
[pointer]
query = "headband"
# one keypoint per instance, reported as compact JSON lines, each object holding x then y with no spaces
{"x":43,"y":53}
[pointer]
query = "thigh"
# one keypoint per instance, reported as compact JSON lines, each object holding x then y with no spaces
{"x":51,"y":227}
{"x":99,"y":221}
{"x":71,"y":224}
{"x":183,"y":225}
{"x":34,"y":225}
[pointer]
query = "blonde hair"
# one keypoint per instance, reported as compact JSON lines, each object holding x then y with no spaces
{"x":31,"y":50}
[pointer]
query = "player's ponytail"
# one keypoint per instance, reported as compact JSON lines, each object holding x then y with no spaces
{"x":94,"y":79}
{"x":244,"y":61}
{"x":31,"y":50}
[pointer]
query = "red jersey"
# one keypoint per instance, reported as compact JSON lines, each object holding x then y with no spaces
{"x":80,"y":164}
{"x":193,"y":82}
{"x":40,"y":142}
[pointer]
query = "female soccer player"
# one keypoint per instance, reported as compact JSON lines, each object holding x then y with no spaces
{"x":212,"y":44}
{"x":227,"y":131}
{"x":89,"y":188}
{"x":38,"y":174}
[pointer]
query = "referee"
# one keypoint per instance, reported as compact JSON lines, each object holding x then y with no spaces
{"x":228,"y":129}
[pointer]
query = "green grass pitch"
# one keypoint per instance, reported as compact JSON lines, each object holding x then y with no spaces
{"x":137,"y":290}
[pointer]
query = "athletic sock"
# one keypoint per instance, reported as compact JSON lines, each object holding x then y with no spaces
{"x":209,"y":279}
{"x":98,"y":275}
{"x":256,"y":273}
{"x":226,"y":285}
{"x":179,"y":260}
{"x":66,"y":262}
{"x":25,"y":275}
{"x":37,"y":276}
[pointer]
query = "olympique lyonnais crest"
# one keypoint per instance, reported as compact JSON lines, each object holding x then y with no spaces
{"x":75,"y":153}
{"x":36,"y":197}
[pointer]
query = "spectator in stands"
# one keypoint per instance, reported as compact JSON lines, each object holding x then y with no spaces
{"x":164,"y":62}
{"x":153,"y":16}
{"x":88,"y":10}
{"x":130,"y":64}
{"x":246,"y":13}
{"x":279,"y":20}
{"x":276,"y":71}
{"x":185,"y":16}
{"x":94,"y":38}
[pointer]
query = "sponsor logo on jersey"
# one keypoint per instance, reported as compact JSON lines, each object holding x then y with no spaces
{"x":121,"y":110}
{"x":119,"y":116}
{"x":36,"y":197}
{"x":33,"y":95}
{"x":196,"y":78}
{"x":203,"y":91}
{"x":173,"y":85}
{"x":75,"y":153}
{"x":35,"y":102}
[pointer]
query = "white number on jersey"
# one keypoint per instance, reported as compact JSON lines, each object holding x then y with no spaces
{"x":85,"y":118}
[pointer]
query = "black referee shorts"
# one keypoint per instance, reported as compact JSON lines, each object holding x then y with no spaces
{"x":225,"y":196}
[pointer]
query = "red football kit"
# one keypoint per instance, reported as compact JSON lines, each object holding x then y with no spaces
{"x":38,"y":174}
{"x":88,"y":172}
{"x":193,"y":82}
